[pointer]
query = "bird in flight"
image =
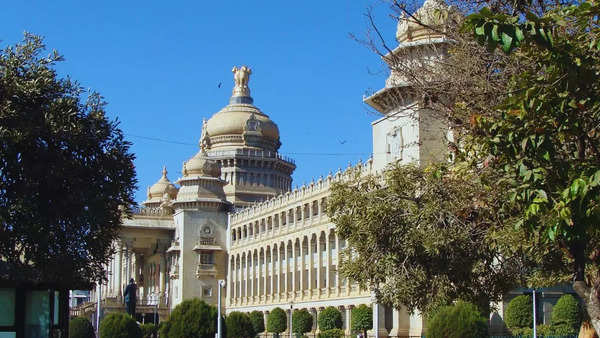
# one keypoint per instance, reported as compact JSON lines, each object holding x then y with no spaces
{"x":219,"y":85}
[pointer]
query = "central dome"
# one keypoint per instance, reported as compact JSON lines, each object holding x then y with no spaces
{"x":240,"y":123}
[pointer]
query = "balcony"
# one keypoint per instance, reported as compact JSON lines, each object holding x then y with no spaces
{"x":206,"y":244}
{"x":205,"y":269}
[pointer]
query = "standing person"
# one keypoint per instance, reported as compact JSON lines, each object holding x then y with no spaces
{"x":130,"y":300}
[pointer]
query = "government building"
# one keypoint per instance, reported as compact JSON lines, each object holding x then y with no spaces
{"x":233,"y":216}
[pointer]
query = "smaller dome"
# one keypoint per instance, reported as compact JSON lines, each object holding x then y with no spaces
{"x":201,"y":165}
{"x":433,"y":13}
{"x":161,"y":187}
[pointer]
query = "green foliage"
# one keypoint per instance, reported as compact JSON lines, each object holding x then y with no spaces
{"x":149,"y":330}
{"x":429,"y":223}
{"x":332,"y":333}
{"x":456,"y":321}
{"x":276,"y":321}
{"x":239,"y":325}
{"x":66,"y":172}
{"x":192,"y":319}
{"x":80,"y":327}
{"x":258,"y":321}
{"x":566,"y":315}
{"x":519,"y":313}
{"x":119,"y":325}
{"x":302,"y":321}
{"x":361,"y":319}
{"x":330,"y":318}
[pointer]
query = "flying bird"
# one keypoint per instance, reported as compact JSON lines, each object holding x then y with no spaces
{"x":342,"y":141}
{"x":219,"y":85}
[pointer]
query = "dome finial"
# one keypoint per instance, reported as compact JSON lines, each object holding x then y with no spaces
{"x":241,"y":91}
{"x":164,"y":171}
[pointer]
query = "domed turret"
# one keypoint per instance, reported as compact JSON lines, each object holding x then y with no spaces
{"x":433,"y":14}
{"x":240,"y":124}
{"x":200,"y":165}
{"x":201,"y":184}
{"x":161,"y":190}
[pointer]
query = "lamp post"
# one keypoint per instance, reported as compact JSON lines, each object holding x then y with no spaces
{"x":221,"y":283}
{"x":291,"y":308}
{"x":98,"y":291}
{"x":533,"y":291}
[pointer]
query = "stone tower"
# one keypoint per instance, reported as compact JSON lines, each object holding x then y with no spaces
{"x":244,"y":142}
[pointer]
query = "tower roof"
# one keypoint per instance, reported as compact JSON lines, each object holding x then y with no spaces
{"x":160,"y":188}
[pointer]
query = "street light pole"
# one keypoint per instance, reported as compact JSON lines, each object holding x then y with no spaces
{"x":98,"y":309}
{"x":221,"y":284}
{"x":291,"y":308}
{"x":534,"y":326}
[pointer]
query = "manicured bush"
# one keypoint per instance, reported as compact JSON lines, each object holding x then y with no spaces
{"x":302,"y":321}
{"x":258,"y":321}
{"x":458,"y":321}
{"x":362,"y":319}
{"x":277,"y":321}
{"x":519,"y":313}
{"x":330,"y":318}
{"x":191,"y":319}
{"x":119,"y":325}
{"x":239,"y":325}
{"x":566,"y":315}
{"x":149,"y":330}
{"x":80,"y":327}
{"x":332,"y":333}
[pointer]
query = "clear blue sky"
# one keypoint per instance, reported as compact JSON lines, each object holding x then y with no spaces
{"x":159,"y":63}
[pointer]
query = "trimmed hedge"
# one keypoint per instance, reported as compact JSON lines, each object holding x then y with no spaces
{"x":566,"y":315}
{"x":119,"y":325}
{"x":258,"y":321}
{"x":302,"y":321}
{"x":191,"y":319}
{"x":239,"y":325}
{"x":80,"y":327}
{"x":458,"y":321}
{"x":519,"y":313}
{"x":277,"y":321}
{"x":330,"y":318}
{"x":362,"y":319}
{"x":149,"y":330}
{"x":332,"y":333}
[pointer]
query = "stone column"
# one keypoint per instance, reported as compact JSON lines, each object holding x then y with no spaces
{"x":317,"y":319}
{"x":400,"y":322}
{"x":319,"y":264}
{"x":286,"y":262}
{"x":379,"y":320}
{"x":302,"y":265}
{"x":279,"y":271}
{"x":327,"y":263}
{"x":252,"y":269}
{"x":348,"y":310}
{"x":247,"y":277}
{"x":309,"y":286}
{"x":294,"y":267}
{"x":162,"y":275}
{"x":272,"y":273}
{"x":229,"y":281}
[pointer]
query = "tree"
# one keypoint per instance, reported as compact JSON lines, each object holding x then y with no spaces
{"x":545,"y":140}
{"x":421,"y":236}
{"x":239,"y":325}
{"x":258,"y":321}
{"x":456,"y":321}
{"x":191,"y":318}
{"x":80,"y":327}
{"x":149,"y":330}
{"x":362,"y":319}
{"x":277,"y":321}
{"x":519,"y":314}
{"x":302,"y":321}
{"x":67,"y":172}
{"x":119,"y":325}
{"x":566,"y":315}
{"x":330,"y":318}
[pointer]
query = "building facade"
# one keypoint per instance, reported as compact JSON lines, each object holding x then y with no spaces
{"x":233,"y":215}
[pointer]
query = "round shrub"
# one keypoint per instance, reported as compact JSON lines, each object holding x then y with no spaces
{"x":330,"y":318}
{"x":566,"y":315}
{"x":277,"y":321}
{"x":457,"y":321}
{"x":258,"y":321}
{"x":119,"y":325}
{"x":362,"y":319}
{"x":239,"y":325}
{"x":149,"y":330}
{"x":519,"y":313}
{"x":191,"y":319}
{"x":302,"y":321}
{"x":333,"y":333}
{"x":80,"y":327}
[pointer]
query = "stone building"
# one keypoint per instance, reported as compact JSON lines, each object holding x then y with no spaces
{"x":233,"y":216}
